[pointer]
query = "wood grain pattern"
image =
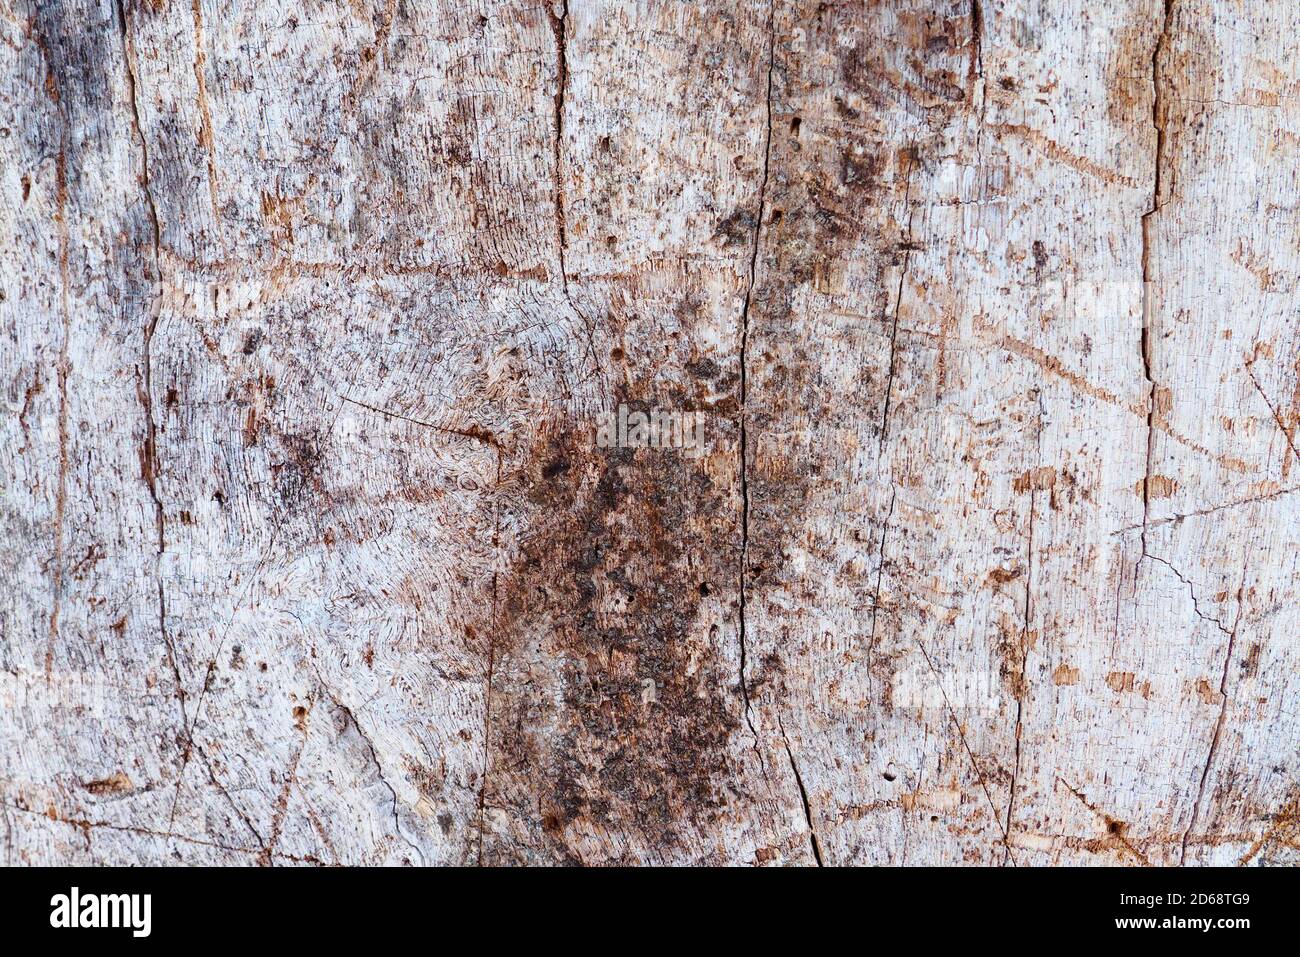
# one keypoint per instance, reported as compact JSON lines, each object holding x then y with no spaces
{"x":309,"y":314}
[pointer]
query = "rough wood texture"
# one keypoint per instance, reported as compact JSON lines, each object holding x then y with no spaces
{"x":308,"y":316}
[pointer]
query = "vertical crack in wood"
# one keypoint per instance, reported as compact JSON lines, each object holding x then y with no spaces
{"x":207,"y":136}
{"x":492,"y":648}
{"x":1149,"y":304}
{"x":975,"y":74}
{"x":976,"y":38}
{"x":813,"y":842}
{"x":61,"y":490}
{"x":1022,"y":682}
{"x":875,"y":598}
{"x":144,"y":372}
{"x":744,"y":375}
{"x":560,"y":28}
{"x":1159,"y":118}
{"x":128,"y":53}
{"x":898,"y":298}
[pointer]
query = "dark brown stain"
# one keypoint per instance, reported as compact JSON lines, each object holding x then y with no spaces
{"x":737,"y":229}
{"x":609,"y":705}
{"x":111,"y":786}
{"x":1001,"y":576}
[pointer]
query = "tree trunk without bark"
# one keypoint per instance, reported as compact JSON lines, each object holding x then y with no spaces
{"x":310,"y":314}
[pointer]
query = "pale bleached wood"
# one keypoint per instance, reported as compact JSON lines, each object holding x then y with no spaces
{"x":309,"y":314}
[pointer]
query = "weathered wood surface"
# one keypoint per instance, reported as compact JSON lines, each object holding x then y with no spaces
{"x":307,"y":316}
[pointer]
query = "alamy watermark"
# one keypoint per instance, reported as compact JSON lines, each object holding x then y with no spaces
{"x":923,"y":690}
{"x":653,"y":428}
{"x":75,"y":909}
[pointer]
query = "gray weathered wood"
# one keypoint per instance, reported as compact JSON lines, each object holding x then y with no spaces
{"x":309,"y":314}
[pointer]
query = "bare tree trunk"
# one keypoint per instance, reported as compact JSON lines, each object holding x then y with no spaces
{"x":311,"y":315}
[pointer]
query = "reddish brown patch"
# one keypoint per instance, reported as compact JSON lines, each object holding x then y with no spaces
{"x":1207,"y":692}
{"x":1002,"y":576}
{"x":1157,"y":486}
{"x":112,"y":785}
{"x":1065,"y":675}
{"x":1039,"y":479}
{"x":1129,"y":72}
{"x":1121,"y":682}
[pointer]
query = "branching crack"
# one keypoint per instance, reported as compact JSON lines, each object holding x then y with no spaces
{"x":374,"y":759}
{"x":88,"y":825}
{"x":1191,"y":590}
{"x":744,"y":381}
{"x":1223,"y":713}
